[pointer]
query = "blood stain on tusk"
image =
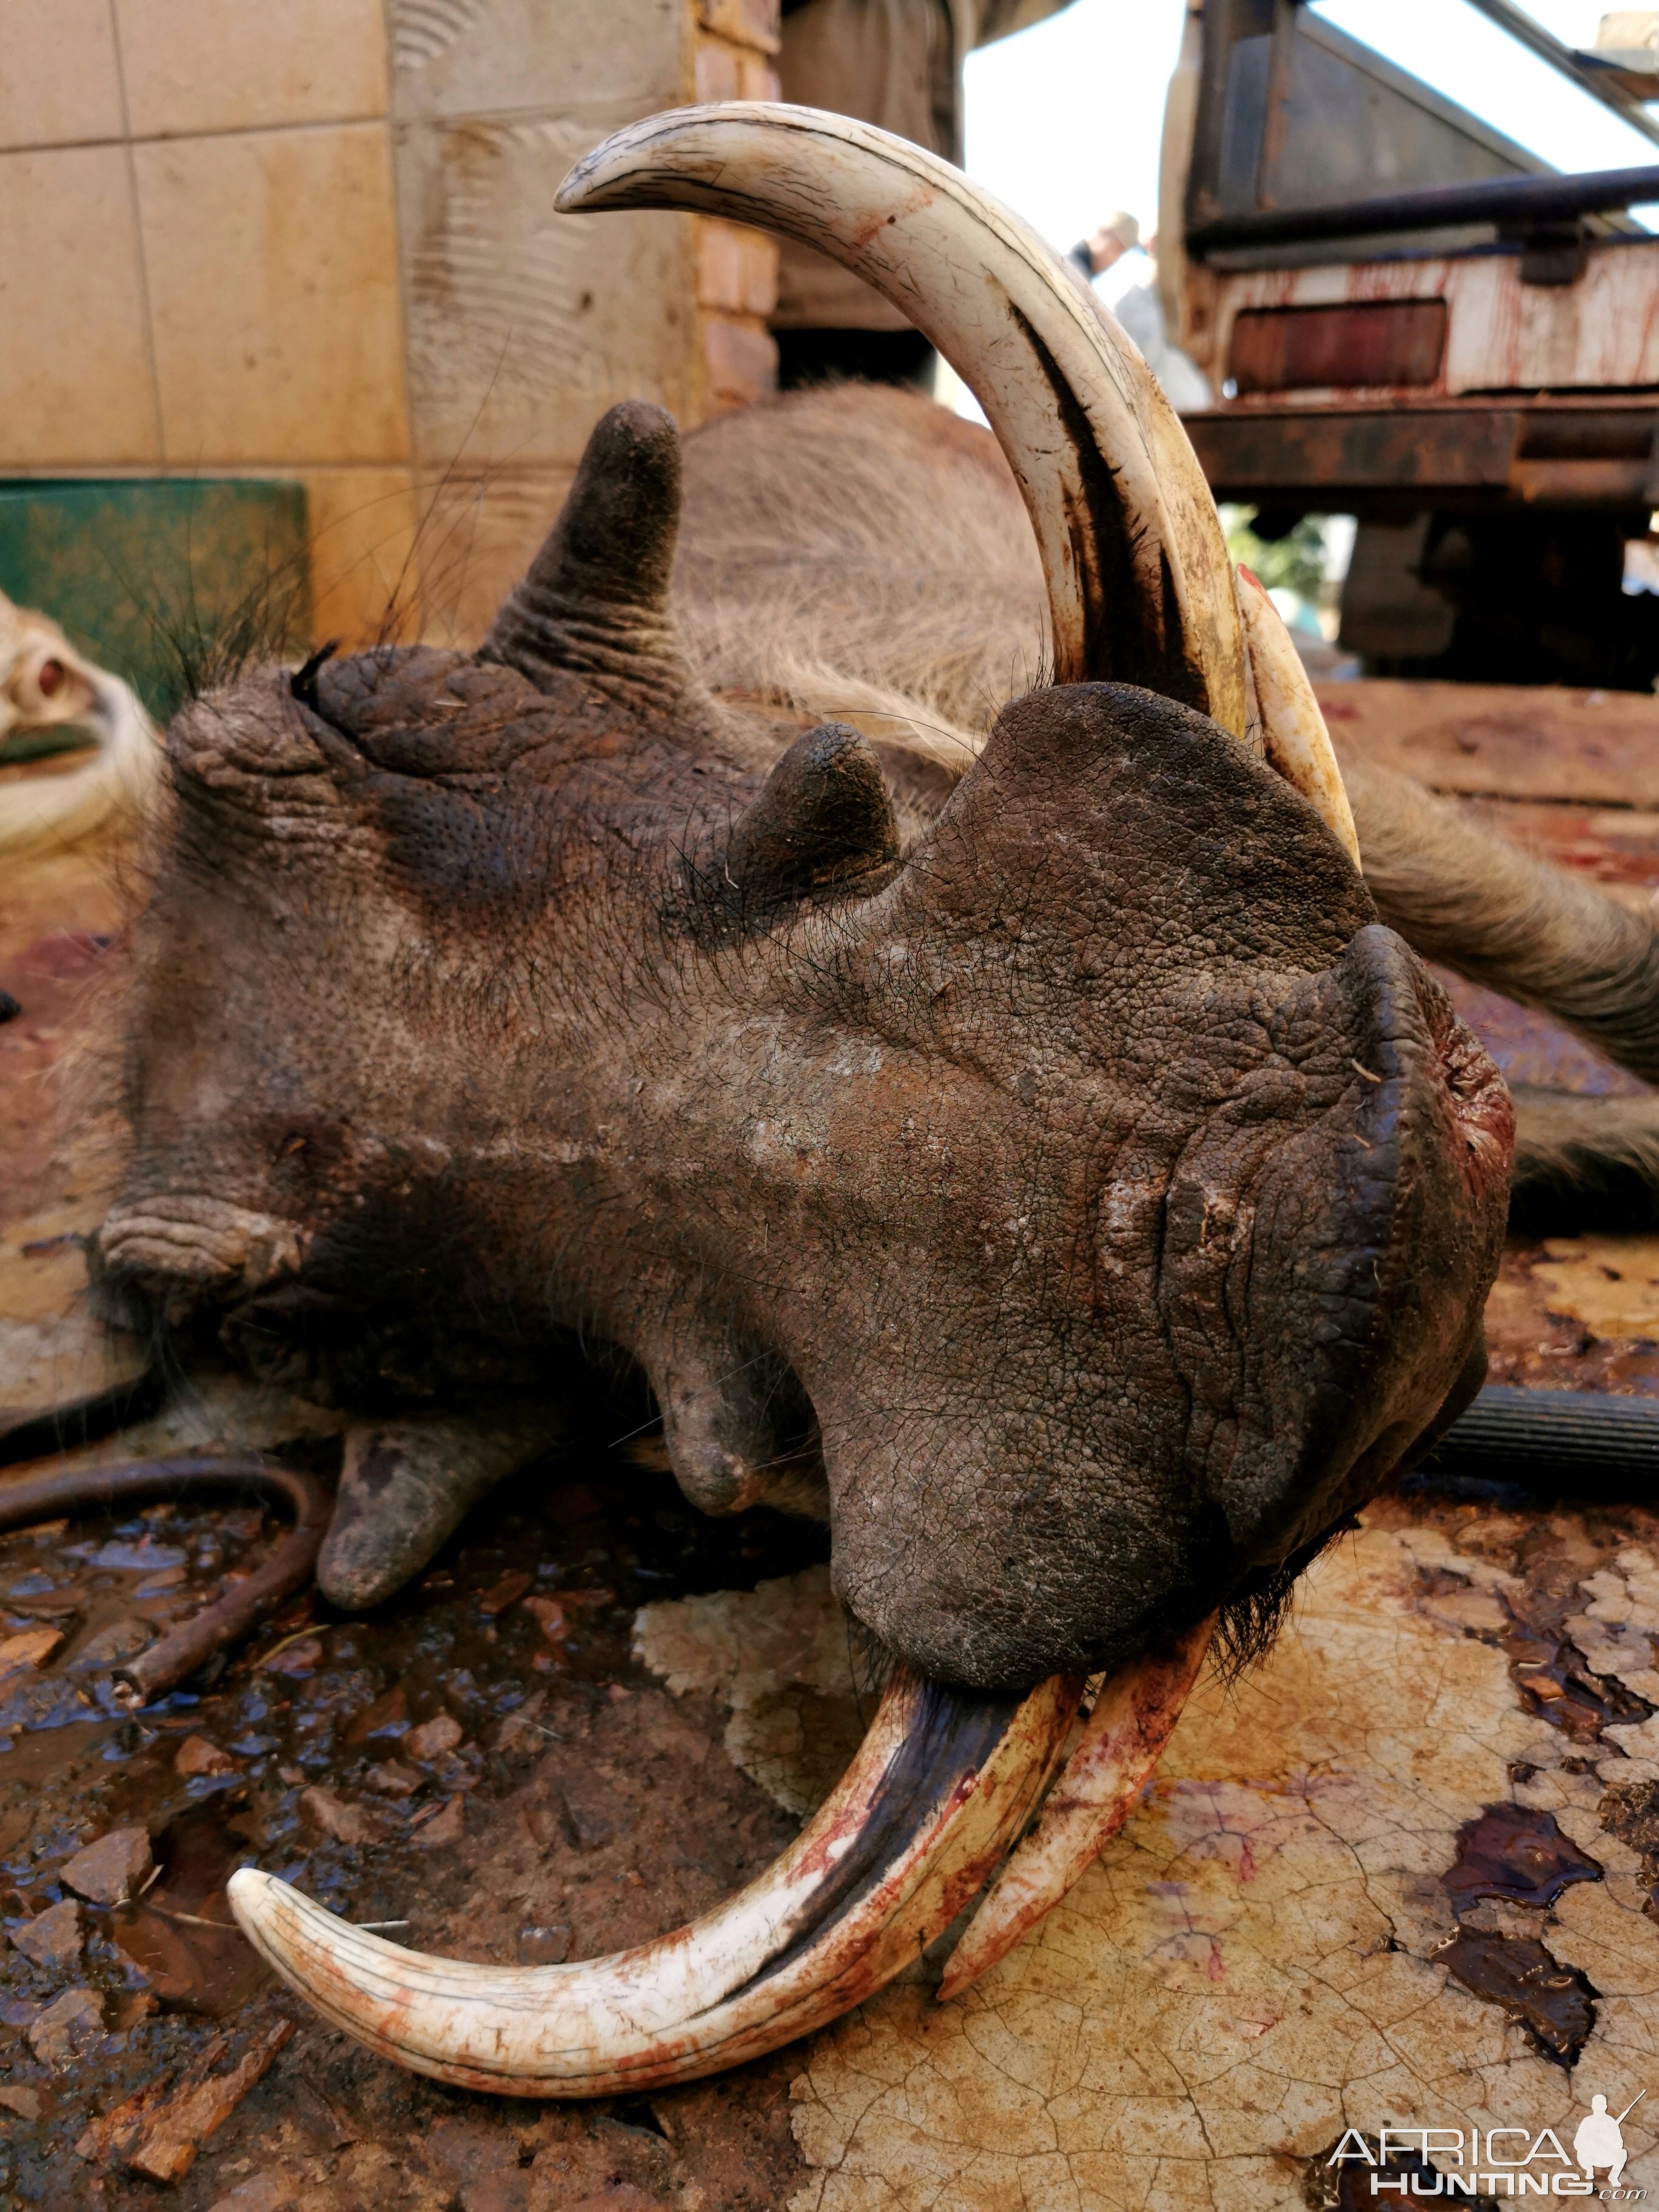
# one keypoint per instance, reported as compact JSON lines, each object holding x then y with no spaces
{"x":1293,"y":730}
{"x":942,"y":1784}
{"x":1097,"y":1789}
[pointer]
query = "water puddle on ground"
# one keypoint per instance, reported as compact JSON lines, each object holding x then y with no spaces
{"x":366,"y":1760}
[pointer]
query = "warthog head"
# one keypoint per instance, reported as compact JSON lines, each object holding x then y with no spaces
{"x":1086,"y":1197}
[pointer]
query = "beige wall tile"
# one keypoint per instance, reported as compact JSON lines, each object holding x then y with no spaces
{"x":365,"y":584}
{"x":272,"y":262}
{"x":58,"y":80}
{"x":75,"y":385}
{"x":474,"y":56}
{"x":524,"y":325}
{"x":477,"y":534}
{"x":194,"y":65}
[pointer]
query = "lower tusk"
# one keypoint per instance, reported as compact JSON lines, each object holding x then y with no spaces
{"x":1293,"y":729}
{"x":942,"y":1784}
{"x":1096,"y":1791}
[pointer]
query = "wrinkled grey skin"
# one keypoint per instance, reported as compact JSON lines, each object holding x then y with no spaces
{"x":1094,"y":1200}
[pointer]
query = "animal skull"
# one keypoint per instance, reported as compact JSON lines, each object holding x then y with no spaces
{"x":44,"y":684}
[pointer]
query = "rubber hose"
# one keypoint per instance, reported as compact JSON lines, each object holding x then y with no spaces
{"x":1575,"y":1443}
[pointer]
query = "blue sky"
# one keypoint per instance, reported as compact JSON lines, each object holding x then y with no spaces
{"x":1063,"y":121}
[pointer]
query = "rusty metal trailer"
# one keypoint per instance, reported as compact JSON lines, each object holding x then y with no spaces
{"x":1410,"y":319}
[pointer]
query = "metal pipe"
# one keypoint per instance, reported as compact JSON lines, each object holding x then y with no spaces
{"x":1508,"y":202}
{"x":290,"y":1564}
{"x":1521,"y":26}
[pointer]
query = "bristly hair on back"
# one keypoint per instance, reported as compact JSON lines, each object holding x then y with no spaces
{"x":835,"y":566}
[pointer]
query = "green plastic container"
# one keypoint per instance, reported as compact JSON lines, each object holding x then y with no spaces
{"x":171,"y":582}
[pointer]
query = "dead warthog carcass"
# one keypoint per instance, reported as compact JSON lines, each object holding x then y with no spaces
{"x":1060,"y":1180}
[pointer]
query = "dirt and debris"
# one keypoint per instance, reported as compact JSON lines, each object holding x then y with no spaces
{"x":161,"y":2139}
{"x":69,"y":2025}
{"x":53,"y":1941}
{"x":110,"y":1870}
{"x":440,"y":1767}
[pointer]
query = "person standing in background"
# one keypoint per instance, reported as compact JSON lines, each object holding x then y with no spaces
{"x":897,"y":63}
{"x":1140,"y":310}
{"x":1093,"y":257}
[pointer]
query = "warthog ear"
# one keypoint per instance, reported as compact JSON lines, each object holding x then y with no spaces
{"x":407,"y":1484}
{"x":822,"y":816}
{"x":596,"y":600}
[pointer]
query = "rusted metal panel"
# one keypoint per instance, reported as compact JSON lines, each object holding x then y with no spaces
{"x":1602,"y":331}
{"x":1502,"y":336}
{"x":1394,"y":342}
{"x":1292,"y":112}
{"x":1580,"y":483}
{"x":1558,"y":453}
{"x":1246,"y":451}
{"x":1511,"y":206}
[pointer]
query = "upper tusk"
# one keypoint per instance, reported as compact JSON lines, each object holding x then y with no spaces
{"x":942,"y":1783}
{"x":1097,"y":1789}
{"x":1139,"y":585}
{"x":1293,"y":730}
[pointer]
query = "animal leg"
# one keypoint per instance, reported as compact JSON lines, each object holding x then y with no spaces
{"x":1462,"y":894}
{"x":1581,"y":1163}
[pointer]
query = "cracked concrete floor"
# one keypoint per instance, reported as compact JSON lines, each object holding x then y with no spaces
{"x":1252,"y":1966}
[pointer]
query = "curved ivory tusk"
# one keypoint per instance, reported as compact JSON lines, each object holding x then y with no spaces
{"x":1096,"y":1792}
{"x":941,"y":1784}
{"x":1293,"y":729}
{"x":1139,"y":581}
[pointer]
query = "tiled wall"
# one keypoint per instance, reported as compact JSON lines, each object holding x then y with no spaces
{"x":198,"y":258}
{"x":316,"y":238}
